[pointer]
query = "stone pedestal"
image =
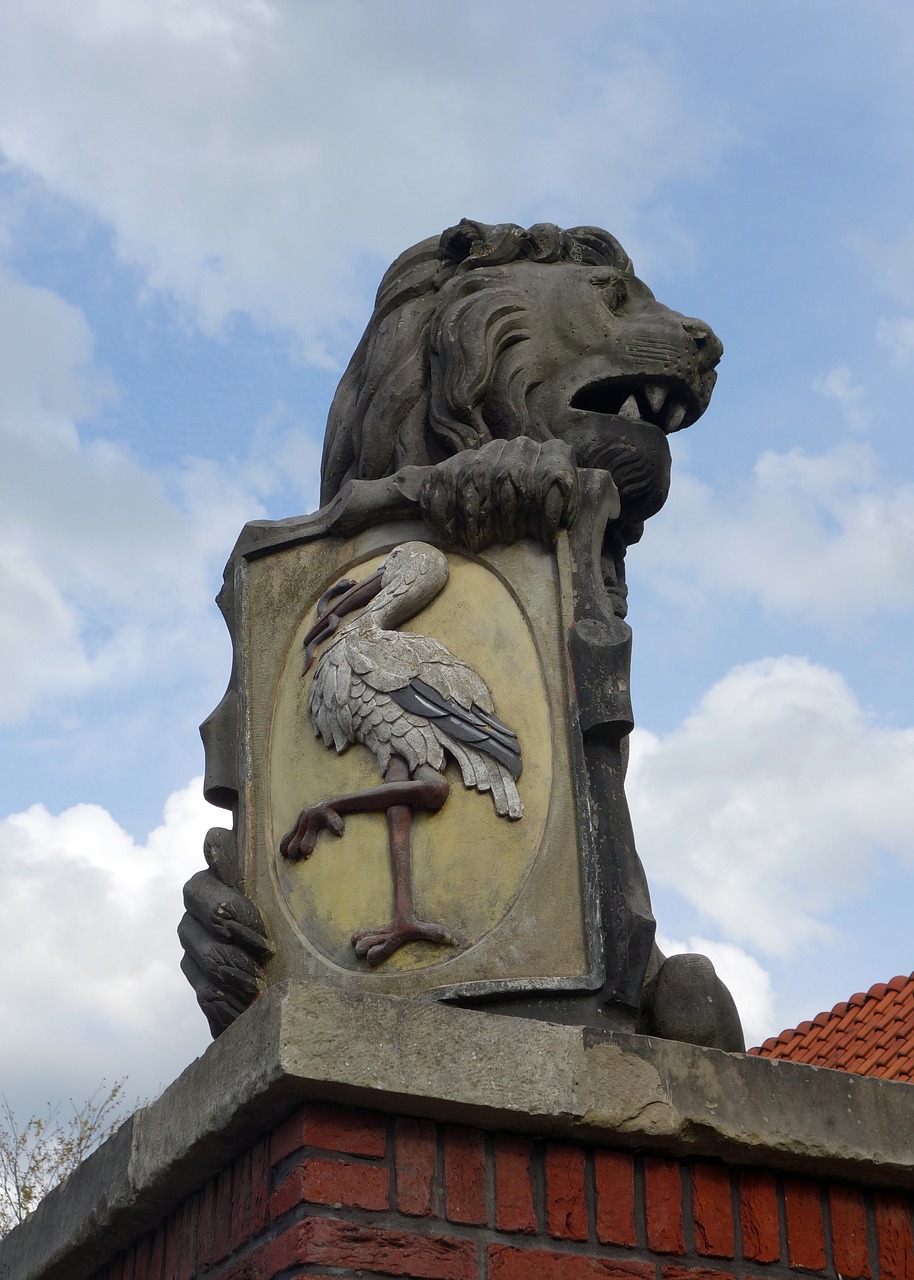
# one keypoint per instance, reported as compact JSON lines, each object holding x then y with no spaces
{"x":331,"y":1134}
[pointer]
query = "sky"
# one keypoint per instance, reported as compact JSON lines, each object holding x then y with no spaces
{"x":197,"y":201}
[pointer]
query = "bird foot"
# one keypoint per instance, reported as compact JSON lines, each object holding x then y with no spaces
{"x":299,"y":842}
{"x":377,"y":944}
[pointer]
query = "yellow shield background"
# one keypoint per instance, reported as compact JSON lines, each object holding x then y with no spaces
{"x":511,"y":892}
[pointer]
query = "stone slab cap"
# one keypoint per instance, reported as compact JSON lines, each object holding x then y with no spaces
{"x":301,"y":1042}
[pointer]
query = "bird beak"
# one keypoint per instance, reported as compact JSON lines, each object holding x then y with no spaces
{"x":355,"y":597}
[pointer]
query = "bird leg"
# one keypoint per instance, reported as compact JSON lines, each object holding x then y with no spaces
{"x":428,"y":792}
{"x":377,"y":944}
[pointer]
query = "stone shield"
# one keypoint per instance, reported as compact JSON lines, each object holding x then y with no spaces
{"x":520,"y":897}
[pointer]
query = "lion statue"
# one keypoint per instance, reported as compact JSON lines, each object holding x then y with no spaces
{"x":509,"y":355}
{"x":499,"y":362}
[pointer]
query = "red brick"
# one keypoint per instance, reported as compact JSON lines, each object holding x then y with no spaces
{"x":334,"y":1182}
{"x":514,"y":1207}
{"x":168,"y":1230}
{"x":805,"y":1233}
{"x":222,"y":1216}
{"x":138,"y":1249}
{"x":893,"y":1230}
{"x":465,"y":1176}
{"x":506,"y":1263}
{"x":205,"y":1218}
{"x":848,"y":1231}
{"x":615,"y":1181}
{"x":328,"y":1242}
{"x":189,"y":1239}
{"x":179,"y":1242}
{"x":170,"y":1248}
{"x":144,"y":1252}
{"x":241,"y":1200}
{"x":566,"y":1207}
{"x":157,"y":1255}
{"x":251,"y":1267}
{"x":663,"y":1205}
{"x":355,"y":1133}
{"x":712,"y":1210}
{"x":415,"y":1152}
{"x":695,"y":1273}
{"x":287,"y":1137}
{"x":260,"y":1186}
{"x":758,"y":1215}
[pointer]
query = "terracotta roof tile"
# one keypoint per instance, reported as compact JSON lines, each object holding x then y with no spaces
{"x":872,"y":1034}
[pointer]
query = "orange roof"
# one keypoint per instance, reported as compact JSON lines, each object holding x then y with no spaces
{"x":871,"y":1034}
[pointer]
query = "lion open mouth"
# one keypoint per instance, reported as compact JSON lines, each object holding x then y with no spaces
{"x":666,"y":403}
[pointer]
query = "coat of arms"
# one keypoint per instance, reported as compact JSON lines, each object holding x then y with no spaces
{"x":424,"y":738}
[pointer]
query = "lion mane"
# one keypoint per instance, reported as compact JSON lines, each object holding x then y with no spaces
{"x":416,"y":390}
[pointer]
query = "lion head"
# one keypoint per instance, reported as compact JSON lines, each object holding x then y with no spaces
{"x":493,"y":332}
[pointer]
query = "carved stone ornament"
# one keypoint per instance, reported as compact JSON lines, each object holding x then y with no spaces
{"x":423,"y":742}
{"x":500,"y":878}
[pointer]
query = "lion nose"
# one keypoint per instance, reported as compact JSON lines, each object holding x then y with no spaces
{"x":710,"y":347}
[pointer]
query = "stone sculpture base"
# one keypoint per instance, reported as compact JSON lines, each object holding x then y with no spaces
{"x":325,"y":1134}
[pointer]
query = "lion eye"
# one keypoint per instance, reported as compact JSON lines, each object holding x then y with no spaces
{"x":614,"y":292}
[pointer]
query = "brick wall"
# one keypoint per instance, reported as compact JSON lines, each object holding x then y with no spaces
{"x":339,"y":1192}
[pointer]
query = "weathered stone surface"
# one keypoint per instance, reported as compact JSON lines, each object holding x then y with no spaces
{"x":303,"y":1041}
{"x":514,"y":388}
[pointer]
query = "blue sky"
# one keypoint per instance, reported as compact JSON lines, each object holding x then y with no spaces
{"x":197,"y":200}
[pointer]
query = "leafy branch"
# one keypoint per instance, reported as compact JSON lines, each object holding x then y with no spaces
{"x":42,"y":1152}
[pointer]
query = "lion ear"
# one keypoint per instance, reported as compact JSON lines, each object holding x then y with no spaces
{"x":457,"y":242}
{"x":480,"y":244}
{"x":597,"y":248}
{"x":548,"y":243}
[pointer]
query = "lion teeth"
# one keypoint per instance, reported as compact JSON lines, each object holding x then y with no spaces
{"x":675,"y":416}
{"x":630,"y":408}
{"x":655,"y":395}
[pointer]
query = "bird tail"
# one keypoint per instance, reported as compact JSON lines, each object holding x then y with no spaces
{"x":486,"y":774}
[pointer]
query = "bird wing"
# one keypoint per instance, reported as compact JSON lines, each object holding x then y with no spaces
{"x":388,"y":660}
{"x":444,"y":703}
{"x":331,"y":713}
{"x":385,"y":660}
{"x":469,"y":725}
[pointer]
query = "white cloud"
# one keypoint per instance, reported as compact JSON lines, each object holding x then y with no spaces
{"x":767,"y":805}
{"x":898,"y":335}
{"x":892,"y":262}
{"x":108,"y":570}
{"x":47,"y":371}
{"x":838,"y":385}
{"x":87,"y":938}
{"x":747,"y":981}
{"x":805,"y":533}
{"x":243,"y":166}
